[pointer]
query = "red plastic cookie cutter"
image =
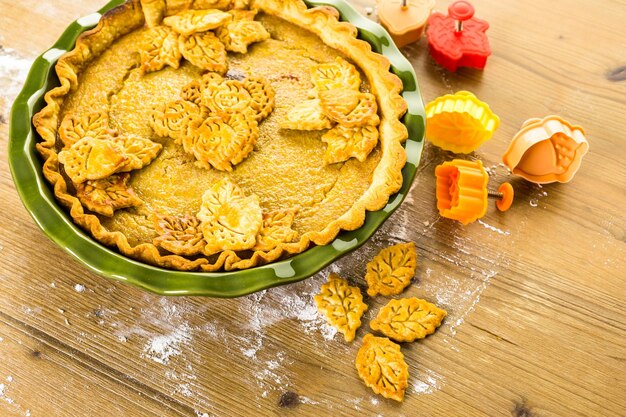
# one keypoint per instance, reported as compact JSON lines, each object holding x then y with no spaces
{"x":404,"y":19}
{"x":459,"y":39}
{"x":462,"y":191}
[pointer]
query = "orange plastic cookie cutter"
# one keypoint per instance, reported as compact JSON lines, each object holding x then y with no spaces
{"x":459,"y":122}
{"x":546,"y":150}
{"x":462,"y":191}
{"x":404,"y":19}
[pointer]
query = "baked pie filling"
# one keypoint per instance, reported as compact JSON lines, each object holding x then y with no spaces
{"x":216,"y":135}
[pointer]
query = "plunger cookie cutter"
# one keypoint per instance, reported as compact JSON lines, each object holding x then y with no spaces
{"x":459,"y":39}
{"x":462,"y":191}
{"x":459,"y":122}
{"x":404,"y":19}
{"x":546,"y":150}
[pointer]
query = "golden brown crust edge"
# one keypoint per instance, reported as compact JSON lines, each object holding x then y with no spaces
{"x":323,"y":21}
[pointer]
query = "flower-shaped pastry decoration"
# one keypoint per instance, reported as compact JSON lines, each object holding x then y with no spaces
{"x":173,"y":119}
{"x":405,"y":23}
{"x":459,"y":122}
{"x":459,"y":39}
{"x":380,"y":364}
{"x":462,"y":190}
{"x":546,"y":150}
{"x":107,"y":195}
{"x":408,"y":319}
{"x":230,"y":219}
{"x":342,"y":305}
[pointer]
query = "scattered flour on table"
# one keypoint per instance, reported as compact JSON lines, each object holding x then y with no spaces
{"x":493,"y":228}
{"x":79,"y":288}
{"x":162,"y":347}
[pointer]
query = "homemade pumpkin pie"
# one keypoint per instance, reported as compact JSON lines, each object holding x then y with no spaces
{"x":215,"y":135}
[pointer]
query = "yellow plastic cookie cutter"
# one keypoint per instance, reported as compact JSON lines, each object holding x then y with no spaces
{"x":546,"y":150}
{"x":459,"y":122}
{"x":462,"y":191}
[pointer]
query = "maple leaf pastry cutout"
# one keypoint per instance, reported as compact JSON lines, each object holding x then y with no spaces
{"x":230,"y":219}
{"x":380,"y":364}
{"x":276,"y":230}
{"x":159,"y":47}
{"x":391,"y":271}
{"x":349,"y":142}
{"x":341,"y":305}
{"x":107,"y":195}
{"x":74,"y":127}
{"x":189,"y":22}
{"x":408,"y":319}
{"x":242,"y":31}
{"x":333,"y":76}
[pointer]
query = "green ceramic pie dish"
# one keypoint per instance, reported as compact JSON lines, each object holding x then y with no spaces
{"x":38,"y":198}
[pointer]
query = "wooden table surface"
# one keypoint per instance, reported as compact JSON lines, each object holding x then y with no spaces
{"x":536,"y":296}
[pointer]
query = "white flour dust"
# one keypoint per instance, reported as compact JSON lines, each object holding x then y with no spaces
{"x":493,"y":228}
{"x":161,"y":348}
{"x":79,"y":288}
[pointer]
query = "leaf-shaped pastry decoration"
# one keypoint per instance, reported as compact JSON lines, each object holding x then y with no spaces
{"x":307,"y":115}
{"x":230,"y":220}
{"x":222,"y":142}
{"x":191,"y":21}
{"x":381,"y":365}
{"x":349,"y":142}
{"x":153,"y":11}
{"x":205,"y":51}
{"x":159,"y":47}
{"x":176,"y":6}
{"x":239,"y":34}
{"x":173,"y":119}
{"x":262,"y":96}
{"x":276,"y":230}
{"x":107,"y":195}
{"x":407,"y":319}
{"x":179,"y":235}
{"x":212,"y":4}
{"x":333,"y":76}
{"x":92,"y":159}
{"x":349,"y":108}
{"x":391,"y":270}
{"x":73,"y":128}
{"x":140,"y":151}
{"x":342,"y":305}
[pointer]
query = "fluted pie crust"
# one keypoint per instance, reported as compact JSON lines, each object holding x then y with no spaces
{"x":363,"y":171}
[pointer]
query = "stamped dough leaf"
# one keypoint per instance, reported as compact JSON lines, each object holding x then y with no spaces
{"x":349,"y":142}
{"x":153,"y":10}
{"x":205,"y":51}
{"x":107,"y":195}
{"x":159,"y":48}
{"x":307,"y":115}
{"x":179,"y":235}
{"x":276,"y":230}
{"x":334,"y":75}
{"x":230,"y":220}
{"x":407,"y":319}
{"x":73,"y":128}
{"x":391,"y":270}
{"x":349,"y":108}
{"x":342,"y":305}
{"x":239,"y":34}
{"x":140,"y":151}
{"x":191,"y":21}
{"x":261,"y":96}
{"x":381,"y":365}
{"x":92,"y":159}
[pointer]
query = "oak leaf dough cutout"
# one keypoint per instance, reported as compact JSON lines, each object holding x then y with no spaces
{"x":341,"y":305}
{"x":391,"y":271}
{"x":381,"y":365}
{"x":408,"y":319}
{"x":106,"y":195}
